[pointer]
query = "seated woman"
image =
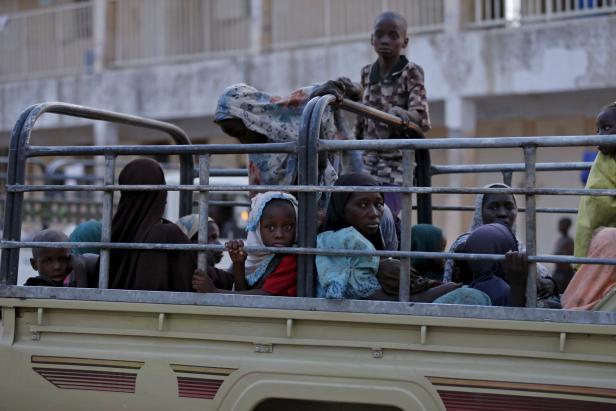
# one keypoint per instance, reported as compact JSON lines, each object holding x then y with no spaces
{"x":593,"y":287}
{"x":501,"y":208}
{"x":504,"y":286}
{"x":139,"y":219}
{"x":428,"y":238}
{"x":353,"y":222}
{"x":271,"y":223}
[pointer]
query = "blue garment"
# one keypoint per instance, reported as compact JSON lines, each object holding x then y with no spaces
{"x":488,"y":275}
{"x":588,"y":157}
{"x":464,"y":296}
{"x":352,"y":276}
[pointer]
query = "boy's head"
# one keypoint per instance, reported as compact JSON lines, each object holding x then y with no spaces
{"x":606,"y":124}
{"x":54,"y":263}
{"x":277,"y":223}
{"x":389,"y":36}
{"x":564,"y":224}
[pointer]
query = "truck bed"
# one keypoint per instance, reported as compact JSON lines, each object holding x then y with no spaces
{"x":87,"y":349}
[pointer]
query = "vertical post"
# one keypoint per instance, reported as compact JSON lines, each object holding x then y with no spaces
{"x":204,"y":179}
{"x":302,"y":220}
{"x":530,"y":158}
{"x":478,"y":8}
{"x":103,"y":274}
{"x":405,"y":227}
{"x":99,"y":33}
{"x":327,"y":18}
{"x":257,"y":26}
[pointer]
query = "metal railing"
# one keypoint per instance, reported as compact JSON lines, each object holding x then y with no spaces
{"x":55,"y":41}
{"x":494,"y":13}
{"x":158,"y":31}
{"x":306,"y":148}
{"x":297,"y":22}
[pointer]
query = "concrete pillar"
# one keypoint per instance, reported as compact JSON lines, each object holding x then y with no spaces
{"x":454,"y":13}
{"x":99,"y":33}
{"x":460,"y":120}
{"x":260,"y":26}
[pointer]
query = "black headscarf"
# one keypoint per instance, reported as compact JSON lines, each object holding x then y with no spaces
{"x":488,"y":275}
{"x":139,"y":219}
{"x":335,"y":219}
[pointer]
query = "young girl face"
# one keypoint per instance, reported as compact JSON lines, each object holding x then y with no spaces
{"x":364,"y":212}
{"x":499,"y":208}
{"x":277,"y":224}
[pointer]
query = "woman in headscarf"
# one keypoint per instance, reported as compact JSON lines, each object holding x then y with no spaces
{"x":139,"y":219}
{"x":271,"y":223}
{"x":353,"y":222}
{"x":593,"y":286}
{"x":504,"y":287}
{"x":428,"y":238}
{"x":500,"y":208}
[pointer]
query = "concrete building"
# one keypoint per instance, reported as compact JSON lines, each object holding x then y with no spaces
{"x":493,"y":68}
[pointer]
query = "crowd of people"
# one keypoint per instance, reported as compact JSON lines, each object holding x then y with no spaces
{"x":365,"y":221}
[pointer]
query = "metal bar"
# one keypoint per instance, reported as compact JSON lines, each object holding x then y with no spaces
{"x":463,"y":143}
{"x":38,"y":151}
{"x":313,"y":188}
{"x":176,"y":133}
{"x":508,"y":167}
{"x":105,"y":255}
{"x":331,"y":145}
{"x":305,"y":251}
{"x":312,"y":177}
{"x":302,"y":217}
{"x":378,"y":115}
{"x":404,"y":293}
{"x":16,"y":171}
{"x":204,"y":179}
{"x":530,"y":158}
{"x":602,"y":322}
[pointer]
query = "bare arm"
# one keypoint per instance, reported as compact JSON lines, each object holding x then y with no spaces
{"x":238,"y":256}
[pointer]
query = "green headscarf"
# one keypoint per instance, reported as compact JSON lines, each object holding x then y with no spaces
{"x":88,"y":232}
{"x":428,"y":238}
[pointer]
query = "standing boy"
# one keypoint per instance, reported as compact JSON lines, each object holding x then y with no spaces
{"x":395,"y":85}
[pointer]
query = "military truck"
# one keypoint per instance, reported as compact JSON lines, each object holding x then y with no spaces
{"x":101,"y":349}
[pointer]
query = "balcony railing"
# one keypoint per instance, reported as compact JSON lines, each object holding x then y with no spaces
{"x":299,"y":22}
{"x":41,"y":43}
{"x":494,"y":13}
{"x":171,"y":30}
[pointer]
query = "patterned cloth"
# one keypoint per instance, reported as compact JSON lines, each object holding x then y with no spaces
{"x":257,"y":262}
{"x":278,"y":119}
{"x":351,"y":276}
{"x":403,"y":88}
